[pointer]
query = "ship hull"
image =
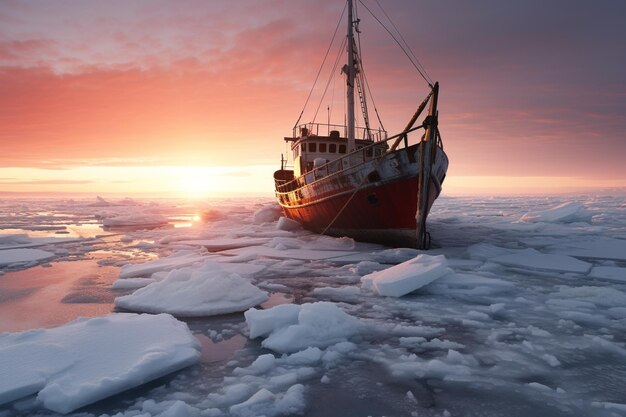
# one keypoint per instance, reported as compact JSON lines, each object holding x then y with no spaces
{"x":375,"y":201}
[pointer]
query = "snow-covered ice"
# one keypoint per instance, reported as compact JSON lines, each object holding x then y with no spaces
{"x":207,"y":290}
{"x":91,"y":359}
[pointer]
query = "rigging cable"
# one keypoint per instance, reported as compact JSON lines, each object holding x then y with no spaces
{"x":329,"y":79}
{"x":321,"y":66}
{"x":403,"y":40}
{"x":422,"y":73}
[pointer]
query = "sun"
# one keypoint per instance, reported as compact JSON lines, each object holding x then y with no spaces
{"x":194,"y":185}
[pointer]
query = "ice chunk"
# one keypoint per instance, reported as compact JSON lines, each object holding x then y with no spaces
{"x":598,"y":248}
{"x":267,"y":214}
{"x":318,"y":324}
{"x":464,"y":285}
{"x":100,"y":202}
{"x":484,"y":251}
{"x":14,"y":239}
{"x":14,"y":256}
{"x":139,"y":219}
{"x":394,"y":256}
{"x":90,"y":359}
{"x":417,"y":331}
{"x":176,"y":260}
{"x":342,"y":293}
{"x":215,"y":245}
{"x":303,"y":254}
{"x":266,"y":403}
{"x":610,"y":406}
{"x":532,"y":259}
{"x":264,"y":322}
{"x":131,"y":283}
{"x":611,"y":273}
{"x":563,"y":213}
{"x":406,"y":277}
{"x":194,"y":292}
{"x":36,"y":365}
{"x":601,"y":296}
{"x":287,"y":224}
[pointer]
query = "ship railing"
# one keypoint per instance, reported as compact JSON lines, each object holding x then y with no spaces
{"x":323,"y":129}
{"x":337,"y":165}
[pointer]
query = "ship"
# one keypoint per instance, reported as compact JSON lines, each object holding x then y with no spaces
{"x":358,"y":181}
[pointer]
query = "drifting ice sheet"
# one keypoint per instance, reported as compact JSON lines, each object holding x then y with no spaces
{"x":12,"y":256}
{"x":22,"y":240}
{"x":195,"y":292}
{"x":406,"y":277}
{"x":177,"y":260}
{"x":611,"y":273}
{"x":563,"y":213}
{"x":601,"y":248}
{"x":140,"y":219}
{"x":532,"y":259}
{"x":215,"y":245}
{"x":90,"y":359}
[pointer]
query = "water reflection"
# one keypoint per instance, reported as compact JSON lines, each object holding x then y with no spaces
{"x":217,"y":351}
{"x":42,"y":297}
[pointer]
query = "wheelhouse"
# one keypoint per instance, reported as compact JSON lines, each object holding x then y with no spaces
{"x":311,"y":149}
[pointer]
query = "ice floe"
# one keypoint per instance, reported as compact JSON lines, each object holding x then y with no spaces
{"x":140,"y":219}
{"x":207,"y":290}
{"x":611,"y":273}
{"x":534,"y":260}
{"x":176,"y":260}
{"x":91,"y":359}
{"x":571,"y":211}
{"x":19,"y":256}
{"x":593,"y":248}
{"x":406,"y":277}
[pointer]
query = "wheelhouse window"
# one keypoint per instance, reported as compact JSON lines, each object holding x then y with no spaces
{"x":342,"y":148}
{"x":312,"y":147}
{"x":332,"y":148}
{"x":322,"y":147}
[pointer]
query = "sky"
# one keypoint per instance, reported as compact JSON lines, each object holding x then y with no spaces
{"x":194,"y":98}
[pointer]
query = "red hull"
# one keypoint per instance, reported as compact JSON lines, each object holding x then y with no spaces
{"x":381,"y":210}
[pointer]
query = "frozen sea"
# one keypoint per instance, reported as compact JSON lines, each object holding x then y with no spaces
{"x":519,"y":309}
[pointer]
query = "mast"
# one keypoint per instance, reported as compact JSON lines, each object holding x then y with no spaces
{"x":350,"y":72}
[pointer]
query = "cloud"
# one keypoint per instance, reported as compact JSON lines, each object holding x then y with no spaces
{"x":13,"y":181}
{"x":526,"y":87}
